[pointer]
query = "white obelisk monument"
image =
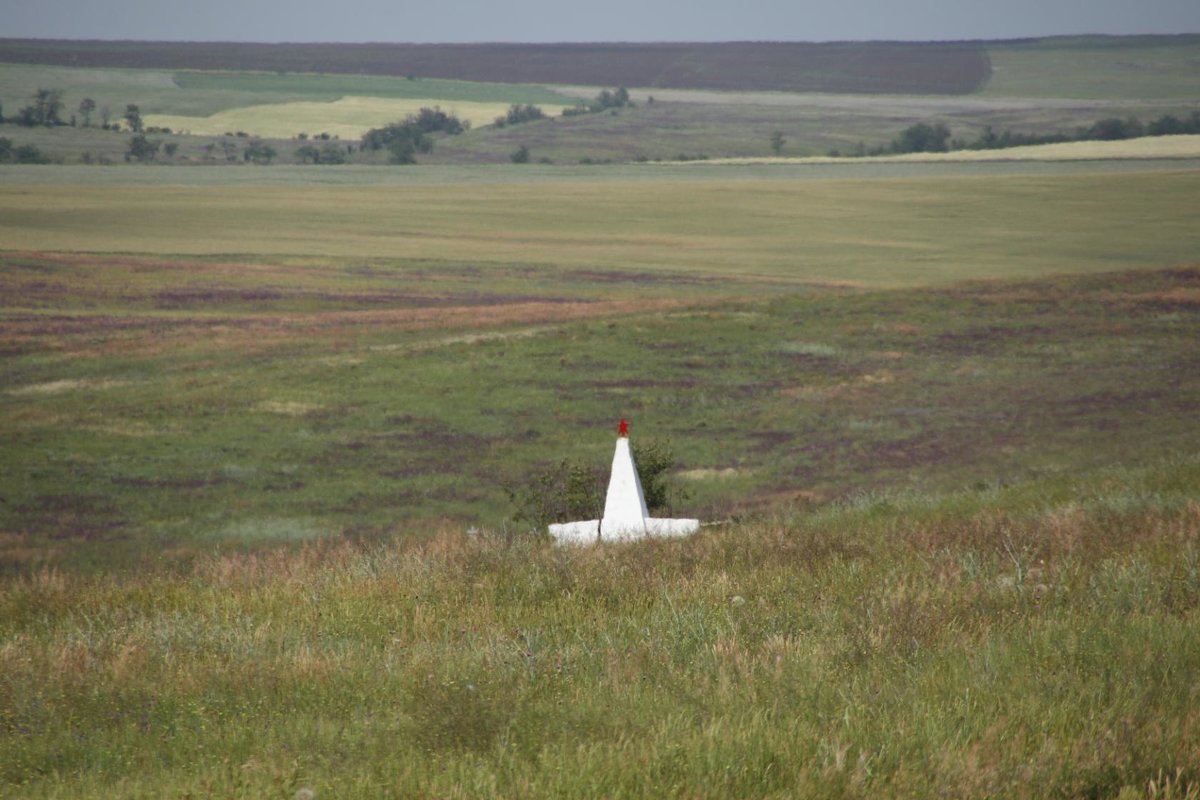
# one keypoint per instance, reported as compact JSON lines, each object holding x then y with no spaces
{"x":625,"y":515}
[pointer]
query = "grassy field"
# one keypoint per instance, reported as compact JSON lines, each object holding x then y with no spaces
{"x":941,"y":416}
{"x":872,"y":67}
{"x":760,"y":319}
{"x":1040,"y":87}
{"x":157,"y":409}
{"x":882,"y":232}
{"x":202,"y":93}
{"x":1099,"y":67}
{"x":1026,"y":641}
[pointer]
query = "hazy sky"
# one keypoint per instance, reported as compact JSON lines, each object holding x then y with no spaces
{"x":573,"y":21}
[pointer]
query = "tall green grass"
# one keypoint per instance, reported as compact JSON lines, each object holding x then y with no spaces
{"x":1036,"y":640}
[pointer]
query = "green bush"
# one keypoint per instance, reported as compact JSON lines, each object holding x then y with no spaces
{"x":411,"y":135}
{"x":141,"y":149}
{"x":518,"y":114}
{"x":572,"y":490}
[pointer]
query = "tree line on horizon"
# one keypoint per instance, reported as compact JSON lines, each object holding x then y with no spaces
{"x":925,"y":137}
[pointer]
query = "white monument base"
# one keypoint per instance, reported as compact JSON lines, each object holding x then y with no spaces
{"x":625,"y":516}
{"x":671,"y":527}
{"x":586,"y":532}
{"x":593,"y":530}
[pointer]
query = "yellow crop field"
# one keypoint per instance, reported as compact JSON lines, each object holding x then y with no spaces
{"x":347,"y":117}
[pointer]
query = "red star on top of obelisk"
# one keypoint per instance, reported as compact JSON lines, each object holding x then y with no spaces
{"x":622,"y":428}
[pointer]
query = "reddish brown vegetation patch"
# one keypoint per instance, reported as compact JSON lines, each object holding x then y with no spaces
{"x":1171,"y":299}
{"x":978,"y":340}
{"x":74,"y":516}
{"x":102,"y":335}
{"x":169,"y":483}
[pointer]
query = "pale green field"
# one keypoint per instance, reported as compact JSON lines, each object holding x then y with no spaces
{"x":198,"y":94}
{"x":885,"y":232}
{"x":346,"y":117}
{"x":1097,"y":67}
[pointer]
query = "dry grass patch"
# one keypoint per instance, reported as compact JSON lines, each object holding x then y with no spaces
{"x":713,"y":473}
{"x":68,"y":385}
{"x":145,"y":336}
{"x":290,"y":408}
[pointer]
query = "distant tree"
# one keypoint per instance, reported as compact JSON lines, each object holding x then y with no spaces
{"x":328,"y":154}
{"x":1192,"y":123}
{"x":6,"y":148}
{"x":51,"y":104}
{"x":1113,"y":129}
{"x":308,"y":154}
{"x":86,"y":107}
{"x":105,"y":116}
{"x":412,"y":135}
{"x":45,"y":109}
{"x":332,"y":154}
{"x":615,"y":99}
{"x":402,"y":151}
{"x":133,"y":115}
{"x":520,"y":155}
{"x":1166,"y":125}
{"x":169,"y":148}
{"x":777,"y":142}
{"x":141,"y":149}
{"x":259,"y":152}
{"x":229,"y":148}
{"x":433,"y":120}
{"x":922,"y":138}
{"x":28,"y":154}
{"x":605,"y":101}
{"x":518,"y":114}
